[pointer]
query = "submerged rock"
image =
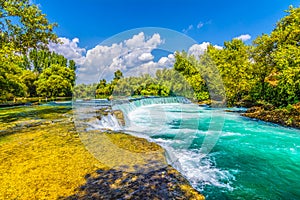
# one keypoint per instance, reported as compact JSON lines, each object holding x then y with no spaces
{"x":164,"y":183}
{"x":103,"y":111}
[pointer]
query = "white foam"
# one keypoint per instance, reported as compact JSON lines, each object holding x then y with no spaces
{"x":201,"y":171}
{"x":108,"y":122}
{"x":157,"y":119}
{"x":149,"y":120}
{"x":224,"y":134}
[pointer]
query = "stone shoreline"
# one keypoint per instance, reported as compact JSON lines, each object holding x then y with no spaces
{"x":289,"y":117}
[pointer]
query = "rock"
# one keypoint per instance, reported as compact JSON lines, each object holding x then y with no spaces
{"x":99,"y":171}
{"x":120,"y":116}
{"x":164,"y":183}
{"x":253,"y":109}
{"x":103,"y":111}
{"x":87,"y":176}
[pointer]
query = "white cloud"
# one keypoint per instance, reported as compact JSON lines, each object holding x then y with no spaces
{"x":244,"y":37}
{"x":200,"y":25}
{"x":140,"y":41}
{"x":146,"y":57}
{"x":198,"y":49}
{"x":132,"y":56}
{"x":69,"y":49}
{"x":167,"y":61}
{"x":218,"y":47}
{"x":188,"y":29}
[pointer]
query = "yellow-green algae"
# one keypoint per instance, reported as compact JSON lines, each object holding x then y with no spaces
{"x":43,"y":162}
{"x":124,"y":152}
{"x":42,"y":156}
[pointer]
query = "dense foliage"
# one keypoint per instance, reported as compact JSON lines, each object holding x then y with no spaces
{"x":27,"y":68}
{"x":277,"y":62}
{"x":167,"y":82}
{"x":24,"y":25}
{"x":266,"y":72}
{"x":84,"y":91}
{"x":218,"y":72}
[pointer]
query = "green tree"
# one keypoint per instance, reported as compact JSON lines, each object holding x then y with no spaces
{"x":189,"y":67}
{"x":233,"y":63}
{"x":56,"y":81}
{"x":24,"y":25}
{"x":103,"y":89}
{"x":38,"y":60}
{"x":10,"y":72}
{"x":28,"y":78}
{"x":275,"y":55}
{"x":85,"y":91}
{"x":25,"y":33}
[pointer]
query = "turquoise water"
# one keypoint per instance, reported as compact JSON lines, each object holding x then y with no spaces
{"x":247,"y":159}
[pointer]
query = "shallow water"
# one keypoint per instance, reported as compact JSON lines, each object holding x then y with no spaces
{"x":249,"y":159}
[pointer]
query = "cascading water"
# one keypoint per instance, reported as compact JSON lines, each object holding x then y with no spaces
{"x":108,"y":122}
{"x":133,"y":104}
{"x":251,"y":159}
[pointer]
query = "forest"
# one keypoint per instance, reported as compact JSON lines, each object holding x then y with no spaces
{"x":27,"y":67}
{"x":267,"y":71}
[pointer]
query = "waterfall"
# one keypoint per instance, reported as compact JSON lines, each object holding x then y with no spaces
{"x":109,"y":122}
{"x":112,"y":122}
{"x":133,"y":104}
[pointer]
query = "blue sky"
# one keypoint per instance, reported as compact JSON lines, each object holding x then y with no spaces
{"x":102,"y":36}
{"x":93,"y":21}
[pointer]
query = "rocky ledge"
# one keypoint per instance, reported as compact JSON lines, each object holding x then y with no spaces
{"x":138,"y":171}
{"x":165,"y":183}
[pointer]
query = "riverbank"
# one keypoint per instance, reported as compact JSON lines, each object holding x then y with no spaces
{"x":289,"y":116}
{"x":23,"y":101}
{"x":42,"y":157}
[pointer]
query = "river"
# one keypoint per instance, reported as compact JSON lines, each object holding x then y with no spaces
{"x":245,"y":159}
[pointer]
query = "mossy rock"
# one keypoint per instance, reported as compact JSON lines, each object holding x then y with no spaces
{"x":120,"y":116}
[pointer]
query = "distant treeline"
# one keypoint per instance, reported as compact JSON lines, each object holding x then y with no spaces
{"x":167,"y":82}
